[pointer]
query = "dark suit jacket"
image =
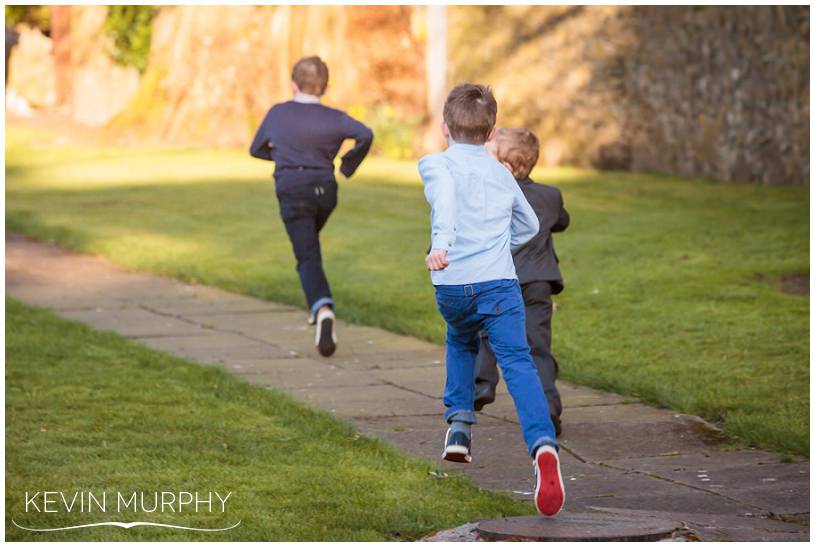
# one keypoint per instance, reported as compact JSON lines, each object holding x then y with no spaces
{"x":537,"y":260}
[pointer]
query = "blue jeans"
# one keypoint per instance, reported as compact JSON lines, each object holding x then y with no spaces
{"x":498,"y":308}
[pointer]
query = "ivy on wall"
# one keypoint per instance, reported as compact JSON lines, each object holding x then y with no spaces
{"x":130,"y":29}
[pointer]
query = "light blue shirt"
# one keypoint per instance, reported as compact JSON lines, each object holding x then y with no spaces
{"x":478,"y":214}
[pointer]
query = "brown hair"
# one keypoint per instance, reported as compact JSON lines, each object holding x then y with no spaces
{"x":519,"y":148}
{"x":311,"y":75}
{"x":470,"y":112}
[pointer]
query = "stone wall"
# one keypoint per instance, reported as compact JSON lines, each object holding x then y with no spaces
{"x":715,"y":91}
{"x":721,"y":92}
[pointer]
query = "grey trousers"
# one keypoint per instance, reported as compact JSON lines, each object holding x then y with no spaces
{"x":538,"y":303}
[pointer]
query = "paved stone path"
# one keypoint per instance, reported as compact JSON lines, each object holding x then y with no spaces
{"x":619,"y":454}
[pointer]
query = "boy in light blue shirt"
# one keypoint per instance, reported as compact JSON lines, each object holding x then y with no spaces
{"x":478,"y":216}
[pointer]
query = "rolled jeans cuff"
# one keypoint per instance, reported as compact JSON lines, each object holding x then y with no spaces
{"x":325,"y":301}
{"x":466,"y":416}
{"x":541,"y":442}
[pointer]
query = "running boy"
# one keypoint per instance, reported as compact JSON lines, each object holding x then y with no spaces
{"x":478,"y":214}
{"x":302,"y":137}
{"x":536,"y":264}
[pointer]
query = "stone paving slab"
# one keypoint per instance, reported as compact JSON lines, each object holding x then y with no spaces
{"x":430,"y":380}
{"x":135,"y":322}
{"x":617,"y":452}
{"x":722,"y":527}
{"x":242,"y":367}
{"x":423,"y":436}
{"x":362,"y":348}
{"x":217,"y":348}
{"x":56,"y":298}
{"x":290,"y":374}
{"x":587,"y":484}
{"x":406,"y":359}
{"x":744,"y":476}
{"x":198,"y":307}
{"x":662,"y":435}
{"x":370,"y":400}
{"x":575,"y":396}
{"x":426,"y":380}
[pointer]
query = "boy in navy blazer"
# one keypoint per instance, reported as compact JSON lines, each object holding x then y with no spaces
{"x":536,"y":264}
{"x":302,"y":137}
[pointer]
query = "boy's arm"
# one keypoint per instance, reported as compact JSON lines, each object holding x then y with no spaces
{"x":363,"y":137}
{"x":440,"y":191}
{"x":563,"y":217}
{"x":525,"y":224}
{"x":261,"y":145}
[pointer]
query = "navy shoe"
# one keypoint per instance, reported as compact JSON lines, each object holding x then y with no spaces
{"x":457,"y":447}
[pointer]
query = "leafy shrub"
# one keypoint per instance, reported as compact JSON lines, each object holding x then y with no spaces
{"x":33,"y":16}
{"x":130,"y":29}
{"x":394,"y":134}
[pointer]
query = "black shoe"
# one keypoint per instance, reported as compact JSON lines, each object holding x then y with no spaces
{"x":556,"y":423}
{"x":456,"y":447}
{"x":484,"y":394}
{"x":325,"y":337}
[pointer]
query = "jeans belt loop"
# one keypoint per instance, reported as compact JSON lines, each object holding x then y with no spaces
{"x":472,"y":291}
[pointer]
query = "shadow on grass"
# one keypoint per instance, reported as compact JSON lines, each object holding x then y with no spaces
{"x":661,"y":298}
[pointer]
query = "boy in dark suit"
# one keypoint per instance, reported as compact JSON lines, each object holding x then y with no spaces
{"x":303,"y":137}
{"x":536,"y":264}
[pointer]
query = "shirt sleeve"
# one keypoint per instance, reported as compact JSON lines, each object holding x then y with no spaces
{"x":440,"y":191}
{"x":563,"y":217}
{"x":525,"y":224}
{"x":260,"y":147}
{"x":363,"y":137}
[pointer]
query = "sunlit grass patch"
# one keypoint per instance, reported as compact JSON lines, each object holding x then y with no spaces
{"x":664,"y":294}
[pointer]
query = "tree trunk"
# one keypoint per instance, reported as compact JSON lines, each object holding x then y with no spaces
{"x":61,"y":40}
{"x":436,"y":65}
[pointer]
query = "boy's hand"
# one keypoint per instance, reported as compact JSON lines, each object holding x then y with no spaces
{"x":436,"y":260}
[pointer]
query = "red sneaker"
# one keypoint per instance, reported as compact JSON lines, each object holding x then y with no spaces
{"x":549,"y":492}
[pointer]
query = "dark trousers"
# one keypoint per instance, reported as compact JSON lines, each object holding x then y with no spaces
{"x":305,"y":205}
{"x":538,"y":303}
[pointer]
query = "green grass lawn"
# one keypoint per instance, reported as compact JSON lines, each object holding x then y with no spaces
{"x":89,"y":411}
{"x":672,"y":285}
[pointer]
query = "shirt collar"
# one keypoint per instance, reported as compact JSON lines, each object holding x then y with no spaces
{"x":305,"y":98}
{"x":467,"y":147}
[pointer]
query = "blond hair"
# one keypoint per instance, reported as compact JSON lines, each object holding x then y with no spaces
{"x":519,"y":148}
